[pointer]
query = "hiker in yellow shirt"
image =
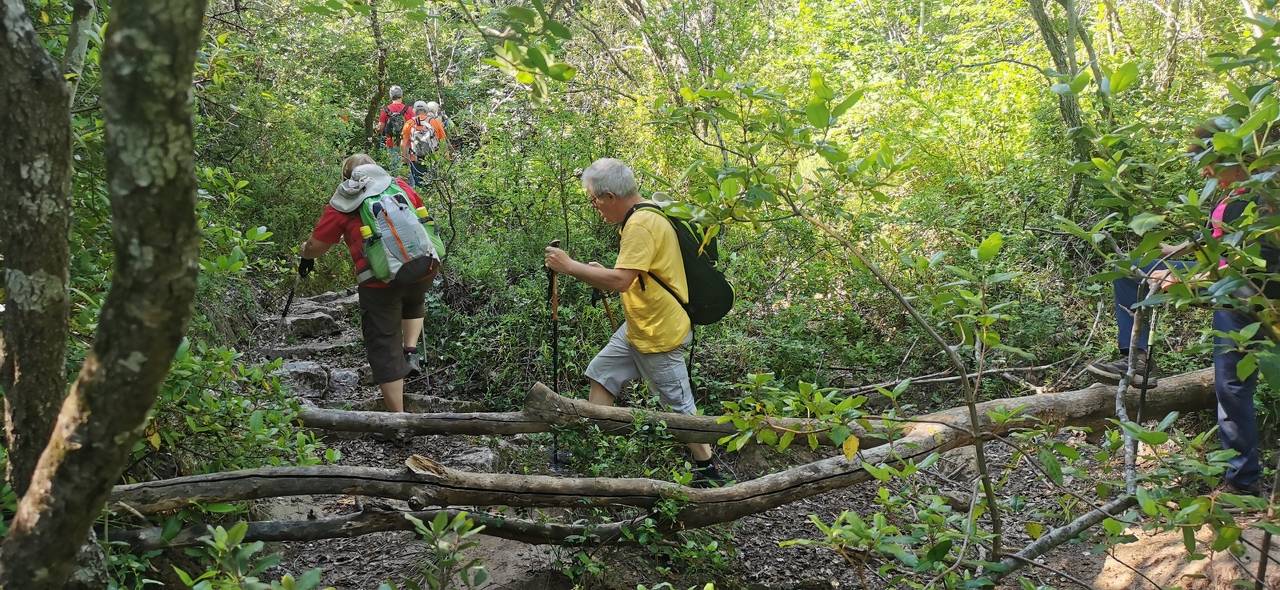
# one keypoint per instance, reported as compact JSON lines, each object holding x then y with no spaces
{"x":651,"y":343}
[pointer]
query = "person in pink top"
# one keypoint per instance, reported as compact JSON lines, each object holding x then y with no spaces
{"x":1237,"y":419}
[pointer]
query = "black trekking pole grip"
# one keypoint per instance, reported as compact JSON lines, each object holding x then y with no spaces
{"x":553,"y":298}
{"x":553,"y":288}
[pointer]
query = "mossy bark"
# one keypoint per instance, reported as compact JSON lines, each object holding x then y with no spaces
{"x":35,"y":187}
{"x":147,"y":63}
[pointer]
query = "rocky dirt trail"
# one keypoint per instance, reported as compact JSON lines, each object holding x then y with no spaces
{"x":324,"y":362}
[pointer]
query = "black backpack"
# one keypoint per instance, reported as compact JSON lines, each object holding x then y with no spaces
{"x":710,"y":294}
{"x":395,"y":122}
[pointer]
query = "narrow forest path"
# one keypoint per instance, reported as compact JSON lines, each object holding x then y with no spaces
{"x":324,"y":364}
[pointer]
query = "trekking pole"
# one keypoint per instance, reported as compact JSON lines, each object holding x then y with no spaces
{"x":608,"y":311}
{"x":598,"y":295}
{"x":288,"y":302}
{"x":1146,"y":372}
{"x":305,"y":266}
{"x":553,"y":299}
{"x":553,"y":296}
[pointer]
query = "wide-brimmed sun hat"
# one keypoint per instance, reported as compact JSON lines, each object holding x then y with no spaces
{"x":366,"y":181}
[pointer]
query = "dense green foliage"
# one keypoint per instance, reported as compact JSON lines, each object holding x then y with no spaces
{"x":818,"y":139}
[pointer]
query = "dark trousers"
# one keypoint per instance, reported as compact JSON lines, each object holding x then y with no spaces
{"x":1126,"y":293}
{"x":1237,"y":420}
{"x":420,"y":173}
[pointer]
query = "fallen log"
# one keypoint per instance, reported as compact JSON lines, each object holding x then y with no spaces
{"x":545,"y":409}
{"x":377,"y":521}
{"x":436,"y":485}
{"x":420,"y":424}
{"x":412,"y":403}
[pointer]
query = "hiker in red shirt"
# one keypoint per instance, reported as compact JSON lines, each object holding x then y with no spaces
{"x":390,"y":121}
{"x":391,"y":311}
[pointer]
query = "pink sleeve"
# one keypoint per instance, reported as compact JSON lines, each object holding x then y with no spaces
{"x":1215,"y":218}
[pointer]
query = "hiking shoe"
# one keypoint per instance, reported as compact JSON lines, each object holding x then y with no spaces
{"x":1231,"y":488}
{"x":1113,"y":371}
{"x":415,"y":363}
{"x":705,"y":475}
{"x":1248,"y":499}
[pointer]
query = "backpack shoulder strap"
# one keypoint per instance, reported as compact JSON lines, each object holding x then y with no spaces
{"x":659,"y":211}
{"x":639,"y":206}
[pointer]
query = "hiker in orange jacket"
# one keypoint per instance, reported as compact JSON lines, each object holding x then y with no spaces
{"x":421,"y":139}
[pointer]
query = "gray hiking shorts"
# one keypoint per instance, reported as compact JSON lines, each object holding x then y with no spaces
{"x":619,"y":363}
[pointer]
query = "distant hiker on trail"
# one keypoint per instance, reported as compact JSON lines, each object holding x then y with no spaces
{"x":423,"y":135}
{"x":391,"y":122}
{"x":392,"y":242}
{"x":651,"y":343}
{"x":1237,"y":419}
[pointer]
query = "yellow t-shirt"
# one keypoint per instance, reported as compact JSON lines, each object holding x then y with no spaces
{"x":656,"y":322}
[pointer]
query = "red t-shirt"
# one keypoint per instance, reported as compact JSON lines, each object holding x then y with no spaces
{"x":384,"y":116}
{"x":335,"y":225}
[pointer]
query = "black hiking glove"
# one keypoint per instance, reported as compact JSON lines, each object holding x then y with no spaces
{"x":305,"y":266}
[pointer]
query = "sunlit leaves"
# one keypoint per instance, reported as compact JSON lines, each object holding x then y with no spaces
{"x":1266,"y":114}
{"x":1072,"y":85}
{"x":989,"y":247}
{"x":817,"y":113}
{"x":1144,"y":222}
{"x":1123,"y":77}
{"x":527,"y":49}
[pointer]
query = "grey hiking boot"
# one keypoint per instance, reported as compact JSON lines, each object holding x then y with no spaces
{"x":415,"y":363}
{"x":1113,"y":371}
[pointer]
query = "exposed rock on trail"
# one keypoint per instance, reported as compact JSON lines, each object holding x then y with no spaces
{"x":325,"y":367}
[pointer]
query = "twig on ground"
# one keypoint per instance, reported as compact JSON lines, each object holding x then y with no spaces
{"x":1014,"y":379}
{"x":938,"y":377}
{"x":1054,"y":571}
{"x":1063,"y":534}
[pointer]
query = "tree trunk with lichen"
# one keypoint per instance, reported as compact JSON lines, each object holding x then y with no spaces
{"x":1062,"y":52}
{"x":35,"y":187}
{"x":146,"y":68}
{"x":380,"y":84}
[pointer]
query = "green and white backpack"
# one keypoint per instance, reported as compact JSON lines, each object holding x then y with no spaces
{"x":400,"y":241}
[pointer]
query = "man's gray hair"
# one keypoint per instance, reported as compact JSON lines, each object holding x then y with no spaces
{"x":396,"y":92}
{"x":609,"y":175}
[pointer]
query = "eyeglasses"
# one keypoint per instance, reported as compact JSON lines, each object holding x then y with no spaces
{"x":593,"y":199}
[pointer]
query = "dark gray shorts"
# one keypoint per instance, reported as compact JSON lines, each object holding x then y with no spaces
{"x":619,"y":363}
{"x":381,"y":311}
